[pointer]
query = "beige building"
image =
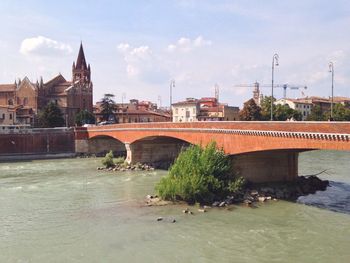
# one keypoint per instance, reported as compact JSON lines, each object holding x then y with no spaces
{"x":221,"y":112}
{"x":204,"y":109}
{"x":186,"y":111}
{"x":304,"y":106}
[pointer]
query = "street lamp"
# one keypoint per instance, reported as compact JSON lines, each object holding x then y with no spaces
{"x":123,"y":97}
{"x":172,"y":85}
{"x":274,"y":63}
{"x":331,"y":70}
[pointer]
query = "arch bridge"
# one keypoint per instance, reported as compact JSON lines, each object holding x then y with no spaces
{"x":261,"y":151}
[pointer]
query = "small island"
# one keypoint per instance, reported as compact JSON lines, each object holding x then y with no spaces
{"x":205,"y":176}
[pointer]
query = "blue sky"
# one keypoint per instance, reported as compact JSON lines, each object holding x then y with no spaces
{"x":137,"y":47}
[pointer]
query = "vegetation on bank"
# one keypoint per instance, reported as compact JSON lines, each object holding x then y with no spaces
{"x":199,"y":175}
{"x":109,"y":161}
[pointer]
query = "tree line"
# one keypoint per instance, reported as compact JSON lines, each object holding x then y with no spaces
{"x":253,"y":112}
{"x":51,"y":115}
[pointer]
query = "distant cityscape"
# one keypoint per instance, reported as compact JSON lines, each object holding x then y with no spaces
{"x":22,"y":101}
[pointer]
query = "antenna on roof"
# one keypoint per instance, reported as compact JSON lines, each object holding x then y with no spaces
{"x":216,"y":91}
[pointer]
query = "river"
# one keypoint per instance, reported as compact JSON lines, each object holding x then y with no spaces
{"x":66,"y":211}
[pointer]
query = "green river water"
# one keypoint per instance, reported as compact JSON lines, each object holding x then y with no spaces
{"x":66,"y":211}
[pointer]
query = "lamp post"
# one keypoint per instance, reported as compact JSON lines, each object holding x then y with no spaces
{"x":123,"y":97}
{"x":331,"y":70}
{"x":172,"y":85}
{"x":274,"y":63}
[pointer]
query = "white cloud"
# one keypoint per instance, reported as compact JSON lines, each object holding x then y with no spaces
{"x":141,"y":64}
{"x":185,"y":44}
{"x":141,"y":52}
{"x":123,"y":47}
{"x":44,"y":46}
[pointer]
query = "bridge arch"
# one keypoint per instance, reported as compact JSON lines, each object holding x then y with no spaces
{"x":160,"y":151}
{"x":101,"y":144}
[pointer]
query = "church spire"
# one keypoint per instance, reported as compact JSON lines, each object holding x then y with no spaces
{"x":80,"y":71}
{"x":81,"y":62}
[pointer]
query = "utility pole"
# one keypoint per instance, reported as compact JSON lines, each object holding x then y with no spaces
{"x":123,"y":97}
{"x":172,"y":85}
{"x":274,"y":63}
{"x":331,"y":70}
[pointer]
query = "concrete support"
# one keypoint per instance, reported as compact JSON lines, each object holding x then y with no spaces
{"x":81,"y":146}
{"x":269,"y":166}
{"x":101,"y":145}
{"x":159,"y":152}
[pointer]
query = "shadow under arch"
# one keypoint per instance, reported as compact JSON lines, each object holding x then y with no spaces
{"x":159,"y":151}
{"x":101,"y":144}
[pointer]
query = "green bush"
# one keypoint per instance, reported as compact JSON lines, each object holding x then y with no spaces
{"x":107,"y":161}
{"x":119,"y":160}
{"x":198,"y":175}
{"x":237,"y":185}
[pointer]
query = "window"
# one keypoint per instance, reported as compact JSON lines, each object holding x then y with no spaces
{"x":187,"y":114}
{"x":3,"y":116}
{"x":10,"y":116}
{"x":25,"y":101}
{"x":194,"y":110}
{"x":10,"y":102}
{"x":176,"y":110}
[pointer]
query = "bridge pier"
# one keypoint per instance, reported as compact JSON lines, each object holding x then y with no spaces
{"x":160,"y":151}
{"x":81,"y":146}
{"x":269,"y":166}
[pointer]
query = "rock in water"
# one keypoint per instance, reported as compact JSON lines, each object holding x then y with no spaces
{"x":262,"y":199}
{"x":159,"y":218}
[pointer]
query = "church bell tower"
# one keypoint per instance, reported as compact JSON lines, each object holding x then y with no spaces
{"x":81,"y":72}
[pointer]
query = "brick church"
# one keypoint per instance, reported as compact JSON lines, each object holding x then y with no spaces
{"x":21,"y":102}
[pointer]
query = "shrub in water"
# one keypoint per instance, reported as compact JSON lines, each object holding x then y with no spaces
{"x":119,"y":160}
{"x":107,"y":161}
{"x":197,"y":175}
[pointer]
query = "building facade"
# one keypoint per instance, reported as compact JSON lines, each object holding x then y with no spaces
{"x":30,"y":98}
{"x":135,"y":111}
{"x":186,"y":111}
{"x":204,"y":109}
{"x":303,"y":106}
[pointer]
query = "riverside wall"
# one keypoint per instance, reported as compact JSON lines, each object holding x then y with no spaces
{"x":40,"y":142}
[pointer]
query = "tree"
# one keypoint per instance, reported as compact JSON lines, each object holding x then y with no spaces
{"x":340,"y":113}
{"x":266,"y":107}
{"x":284,"y":112}
{"x":84,"y":117}
{"x":108,"y":107}
{"x":199,"y":175}
{"x":250,"y":111}
{"x":316,"y":114}
{"x":51,"y":116}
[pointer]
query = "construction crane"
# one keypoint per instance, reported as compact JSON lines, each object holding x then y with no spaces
{"x":289,"y":86}
{"x":256,"y":85}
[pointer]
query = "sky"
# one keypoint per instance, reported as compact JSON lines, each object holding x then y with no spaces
{"x":136,"y":48}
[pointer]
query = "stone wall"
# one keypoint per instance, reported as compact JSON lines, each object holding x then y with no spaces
{"x":37,"y":141}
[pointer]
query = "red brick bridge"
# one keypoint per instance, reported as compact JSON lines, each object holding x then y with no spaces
{"x":261,"y":151}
